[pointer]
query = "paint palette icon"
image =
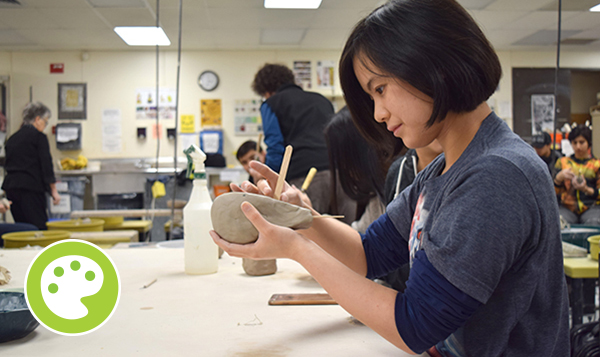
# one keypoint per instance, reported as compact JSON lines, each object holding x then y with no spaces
{"x":68,"y":279}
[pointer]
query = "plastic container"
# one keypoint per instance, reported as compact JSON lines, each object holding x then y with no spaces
{"x":16,"y":321}
{"x":41,"y":238}
{"x":594,"y":247}
{"x":78,"y":225}
{"x":578,"y":234}
{"x":201,"y":254}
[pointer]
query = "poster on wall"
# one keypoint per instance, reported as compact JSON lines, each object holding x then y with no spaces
{"x":72,"y":101}
{"x":145,"y":103}
{"x":302,"y":74}
{"x":111,"y":130}
{"x":542,"y":113}
{"x":210,"y":113}
{"x":325,"y":74}
{"x":187,"y":124}
{"x":247,"y":119}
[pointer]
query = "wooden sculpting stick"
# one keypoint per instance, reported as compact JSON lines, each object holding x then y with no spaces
{"x":301,"y":299}
{"x":283,"y":171}
{"x":309,"y":178}
{"x":258,"y":146}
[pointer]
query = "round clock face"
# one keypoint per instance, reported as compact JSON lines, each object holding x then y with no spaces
{"x":208,"y":80}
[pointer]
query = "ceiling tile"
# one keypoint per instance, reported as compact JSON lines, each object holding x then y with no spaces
{"x":571,"y":5}
{"x":581,"y":21}
{"x":352,"y":4}
{"x":191,"y":18}
{"x":13,"y":37}
{"x":52,"y":4}
{"x":234,"y":4}
{"x":118,"y":3}
{"x":493,"y":20}
{"x":517,"y":5}
{"x":281,"y":36}
{"x":128,"y":17}
{"x":335,"y":39}
{"x":75,"y":18}
{"x":545,"y":37}
{"x":26,"y":19}
{"x":337,"y":18}
{"x":537,"y":20}
{"x":475,"y":4}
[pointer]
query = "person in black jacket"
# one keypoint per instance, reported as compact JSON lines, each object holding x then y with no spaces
{"x":29,"y":172}
{"x":294,"y":117}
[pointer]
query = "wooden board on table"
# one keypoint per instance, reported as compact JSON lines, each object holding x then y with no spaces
{"x":129,"y":235}
{"x":301,"y":299}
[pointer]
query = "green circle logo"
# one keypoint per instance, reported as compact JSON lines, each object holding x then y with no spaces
{"x":72,"y":287}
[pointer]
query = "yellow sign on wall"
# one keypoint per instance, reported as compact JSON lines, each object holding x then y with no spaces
{"x":187,"y":124}
{"x":210,"y":113}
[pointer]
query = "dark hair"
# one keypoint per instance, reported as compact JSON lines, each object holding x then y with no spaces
{"x":361,"y":167}
{"x":433,"y":45}
{"x":581,"y":130}
{"x":245,"y":148}
{"x":34,"y":110}
{"x":271,"y":77}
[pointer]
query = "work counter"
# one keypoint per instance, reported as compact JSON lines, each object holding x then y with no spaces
{"x":222,"y":314}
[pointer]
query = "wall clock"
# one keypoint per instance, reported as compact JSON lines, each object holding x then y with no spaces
{"x":208,"y":80}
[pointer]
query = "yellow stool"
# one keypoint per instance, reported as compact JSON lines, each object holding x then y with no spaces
{"x":578,"y":269}
{"x":142,"y":226}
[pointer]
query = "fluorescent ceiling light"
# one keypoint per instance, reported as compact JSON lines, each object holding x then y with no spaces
{"x":292,"y":4}
{"x":595,"y":8}
{"x":143,"y":35}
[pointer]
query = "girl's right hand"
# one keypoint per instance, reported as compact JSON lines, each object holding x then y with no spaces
{"x":266,"y":186}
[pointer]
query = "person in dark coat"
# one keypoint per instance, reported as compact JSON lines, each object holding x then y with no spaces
{"x":29,"y":171}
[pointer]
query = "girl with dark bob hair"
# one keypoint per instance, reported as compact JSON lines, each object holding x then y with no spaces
{"x":479,"y":226}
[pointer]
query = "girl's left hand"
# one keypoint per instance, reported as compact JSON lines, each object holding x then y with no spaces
{"x":273,"y":241}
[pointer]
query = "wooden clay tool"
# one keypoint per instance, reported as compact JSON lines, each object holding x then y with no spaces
{"x":301,"y":299}
{"x":283,"y":171}
{"x":256,"y":157}
{"x":309,"y":178}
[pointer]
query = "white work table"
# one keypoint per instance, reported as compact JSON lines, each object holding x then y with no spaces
{"x":222,"y":314}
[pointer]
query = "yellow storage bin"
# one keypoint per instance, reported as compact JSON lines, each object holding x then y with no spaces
{"x":594,"y":247}
{"x":41,"y":238}
{"x":112,"y":221}
{"x":78,"y":225}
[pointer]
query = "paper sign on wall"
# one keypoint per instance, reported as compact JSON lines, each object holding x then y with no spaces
{"x":111,"y":130}
{"x":325,"y":74}
{"x":187,"y":124}
{"x":247,"y":119}
{"x":156,"y":130}
{"x":302,"y":74}
{"x":210,"y":113}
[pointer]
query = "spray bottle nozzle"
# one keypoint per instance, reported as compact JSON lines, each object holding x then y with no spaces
{"x":195,"y":157}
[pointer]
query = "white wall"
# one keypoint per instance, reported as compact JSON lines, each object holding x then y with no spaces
{"x":112,"y":78}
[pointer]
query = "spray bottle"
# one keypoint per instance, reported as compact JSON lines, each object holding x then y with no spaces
{"x":201,"y":253}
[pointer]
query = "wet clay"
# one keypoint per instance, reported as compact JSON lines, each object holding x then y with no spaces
{"x":259,"y":267}
{"x":231,"y":224}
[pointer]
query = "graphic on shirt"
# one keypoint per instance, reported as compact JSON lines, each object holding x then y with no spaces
{"x":416,"y":227}
{"x":72,"y":287}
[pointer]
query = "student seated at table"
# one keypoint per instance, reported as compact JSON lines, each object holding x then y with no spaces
{"x":578,"y":179}
{"x":357,"y":171}
{"x":246,"y":153}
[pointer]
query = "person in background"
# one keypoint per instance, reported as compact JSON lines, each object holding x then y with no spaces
{"x":479,"y":225}
{"x":578,"y":179}
{"x":357,"y":171}
{"x":401,"y":174}
{"x":246,"y":153}
{"x":29,"y":170}
{"x":291,"y":116}
{"x":542,"y":145}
